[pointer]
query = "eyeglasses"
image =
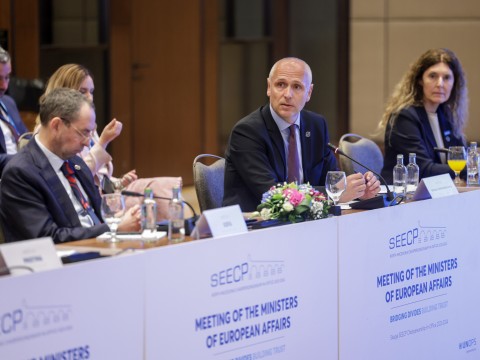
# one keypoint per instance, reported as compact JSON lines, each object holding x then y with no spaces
{"x":85,"y":134}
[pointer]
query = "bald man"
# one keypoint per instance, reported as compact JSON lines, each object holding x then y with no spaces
{"x":257,"y":155}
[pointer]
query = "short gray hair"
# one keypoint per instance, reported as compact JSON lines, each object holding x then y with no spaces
{"x":4,"y":56}
{"x":64,"y":103}
{"x":306,"y":67}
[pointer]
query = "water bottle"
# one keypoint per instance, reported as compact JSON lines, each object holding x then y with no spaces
{"x":413,"y":173}
{"x":149,"y":215}
{"x":472,"y":165}
{"x":176,"y":221}
{"x":399,"y":176}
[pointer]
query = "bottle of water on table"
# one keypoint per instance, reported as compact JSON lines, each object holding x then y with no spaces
{"x":399,"y":176}
{"x":149,"y":215}
{"x":176,"y":220}
{"x":472,"y":165}
{"x":413,"y":173}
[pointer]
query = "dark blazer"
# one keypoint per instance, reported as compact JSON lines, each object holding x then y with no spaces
{"x":15,"y":116}
{"x":412,"y":133}
{"x":255,"y":156}
{"x":34,"y":202}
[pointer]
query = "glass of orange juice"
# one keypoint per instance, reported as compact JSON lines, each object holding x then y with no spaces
{"x":457,"y":159}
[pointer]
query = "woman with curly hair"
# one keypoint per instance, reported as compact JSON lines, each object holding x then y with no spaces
{"x":428,"y":109}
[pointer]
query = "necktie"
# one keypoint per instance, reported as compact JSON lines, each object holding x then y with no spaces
{"x":70,"y":175}
{"x":293,"y":164}
{"x":8,"y":121}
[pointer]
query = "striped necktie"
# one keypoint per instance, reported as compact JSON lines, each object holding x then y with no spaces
{"x":8,"y":121}
{"x":72,"y":180}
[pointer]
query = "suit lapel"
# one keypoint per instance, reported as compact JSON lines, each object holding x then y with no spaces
{"x":306,"y":141}
{"x":423,"y":118}
{"x":83,"y":174}
{"x":53,"y":182}
{"x":276,"y":137}
{"x":445,"y":127}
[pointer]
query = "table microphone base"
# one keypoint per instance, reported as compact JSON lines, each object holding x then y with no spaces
{"x":190,"y":224}
{"x":335,"y":210}
{"x":376,"y":202}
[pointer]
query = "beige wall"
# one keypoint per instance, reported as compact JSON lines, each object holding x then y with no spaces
{"x":388,"y":35}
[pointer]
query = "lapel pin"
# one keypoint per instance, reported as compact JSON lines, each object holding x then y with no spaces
{"x":307,"y":134}
{"x":77,"y":167}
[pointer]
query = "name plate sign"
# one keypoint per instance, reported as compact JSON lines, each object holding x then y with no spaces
{"x":23,"y":257}
{"x":220,"y":222}
{"x":435,"y":187}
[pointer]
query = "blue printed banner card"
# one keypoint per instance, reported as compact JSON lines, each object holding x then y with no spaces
{"x":409,"y":284}
{"x":270,"y":294}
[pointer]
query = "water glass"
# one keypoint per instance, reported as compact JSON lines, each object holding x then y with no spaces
{"x":113,"y":209}
{"x":335,"y":185}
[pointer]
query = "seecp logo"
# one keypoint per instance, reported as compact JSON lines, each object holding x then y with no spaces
{"x":28,"y":318}
{"x":421,"y":235}
{"x":406,"y":238}
{"x":247,"y":271}
{"x":10,"y":321}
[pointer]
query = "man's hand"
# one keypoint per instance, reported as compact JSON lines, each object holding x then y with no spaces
{"x":131,"y":220}
{"x":355,"y":188}
{"x":372,"y":185}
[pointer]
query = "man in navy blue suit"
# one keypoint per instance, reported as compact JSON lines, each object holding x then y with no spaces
{"x":11,"y":125}
{"x":46,"y":189}
{"x":258,"y":157}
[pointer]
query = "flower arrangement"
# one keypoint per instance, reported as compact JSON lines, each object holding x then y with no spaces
{"x":294,"y":203}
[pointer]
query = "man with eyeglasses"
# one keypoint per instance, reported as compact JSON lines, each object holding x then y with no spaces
{"x":46,"y":189}
{"x":11,"y":125}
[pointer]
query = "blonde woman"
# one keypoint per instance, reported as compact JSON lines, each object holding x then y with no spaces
{"x":427,"y":110}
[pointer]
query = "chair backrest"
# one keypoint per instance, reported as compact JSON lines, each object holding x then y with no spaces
{"x":24,"y":139}
{"x":208,"y":180}
{"x":361,"y":149}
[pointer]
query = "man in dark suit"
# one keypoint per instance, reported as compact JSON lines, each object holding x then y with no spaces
{"x":257,"y":155}
{"x":11,"y":125}
{"x":38,"y":198}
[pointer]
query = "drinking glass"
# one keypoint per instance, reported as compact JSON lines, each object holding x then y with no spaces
{"x":113,"y":208}
{"x":457,"y":159}
{"x":335,"y":185}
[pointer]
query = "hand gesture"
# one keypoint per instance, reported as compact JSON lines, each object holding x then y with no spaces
{"x":128,"y":178}
{"x":110,"y":132}
{"x":355,"y":188}
{"x":372,"y":185}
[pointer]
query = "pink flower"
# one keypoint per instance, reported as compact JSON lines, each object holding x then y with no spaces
{"x":294,"y":196}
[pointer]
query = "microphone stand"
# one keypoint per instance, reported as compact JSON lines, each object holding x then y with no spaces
{"x":189,"y":223}
{"x":375,"y":202}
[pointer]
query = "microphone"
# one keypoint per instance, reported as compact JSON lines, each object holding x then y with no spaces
{"x":189,"y":223}
{"x":373,"y":203}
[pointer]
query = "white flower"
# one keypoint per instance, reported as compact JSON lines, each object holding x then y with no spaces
{"x":287,"y":206}
{"x":265,"y":213}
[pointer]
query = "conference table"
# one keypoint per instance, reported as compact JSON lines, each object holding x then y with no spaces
{"x":398,"y":282}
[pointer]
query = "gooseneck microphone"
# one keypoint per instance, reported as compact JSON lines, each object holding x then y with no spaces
{"x":390,"y":194}
{"x":189,"y":223}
